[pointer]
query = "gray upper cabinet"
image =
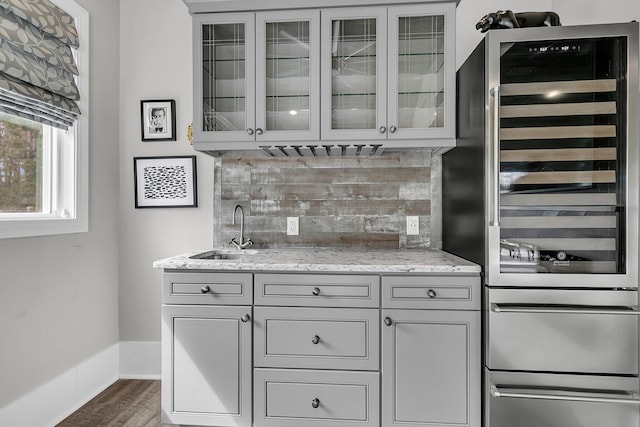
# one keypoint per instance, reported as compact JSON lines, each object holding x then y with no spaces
{"x":256,"y":79}
{"x":388,"y":75}
{"x":319,"y":80}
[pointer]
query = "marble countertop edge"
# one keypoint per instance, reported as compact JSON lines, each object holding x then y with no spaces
{"x":329,"y":260}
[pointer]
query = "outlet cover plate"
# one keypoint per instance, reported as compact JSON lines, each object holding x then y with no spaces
{"x":293,"y":226}
{"x":413,"y":225}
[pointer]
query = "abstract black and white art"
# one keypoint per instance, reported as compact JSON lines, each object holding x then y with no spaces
{"x":165,"y":182}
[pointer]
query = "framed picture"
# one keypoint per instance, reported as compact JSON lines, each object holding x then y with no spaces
{"x":165,"y":182}
{"x":158,"y":120}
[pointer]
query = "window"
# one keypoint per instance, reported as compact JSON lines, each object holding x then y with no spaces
{"x":44,"y":168}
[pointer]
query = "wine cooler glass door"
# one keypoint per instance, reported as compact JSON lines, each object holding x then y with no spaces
{"x":562,"y":181}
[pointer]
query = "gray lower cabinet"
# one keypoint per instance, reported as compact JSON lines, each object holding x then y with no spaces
{"x":316,"y":350}
{"x":320,"y":349}
{"x":431,"y":348}
{"x":206,"y":350}
{"x":431,"y":368}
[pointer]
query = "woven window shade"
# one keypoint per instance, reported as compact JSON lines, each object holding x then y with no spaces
{"x":37,"y":65}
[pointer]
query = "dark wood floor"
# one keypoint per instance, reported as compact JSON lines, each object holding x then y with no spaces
{"x":129,"y":403}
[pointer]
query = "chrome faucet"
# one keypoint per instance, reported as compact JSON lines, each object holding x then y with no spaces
{"x":243,"y":243}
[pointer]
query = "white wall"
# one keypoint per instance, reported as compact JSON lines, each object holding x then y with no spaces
{"x":155,"y":63}
{"x":59,"y":294}
{"x":582,"y":12}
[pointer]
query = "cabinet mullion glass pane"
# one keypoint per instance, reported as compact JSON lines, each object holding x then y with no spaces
{"x":353,"y":80}
{"x":223,"y":77}
{"x":421,"y":71}
{"x":287,"y":75}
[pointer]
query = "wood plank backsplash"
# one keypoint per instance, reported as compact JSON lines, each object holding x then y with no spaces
{"x":340,"y":201}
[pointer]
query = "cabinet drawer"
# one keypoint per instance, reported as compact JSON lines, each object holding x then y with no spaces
{"x":300,"y":398}
{"x":207,"y":288}
{"x":432,"y":292}
{"x":321,"y":290}
{"x":317,"y":338}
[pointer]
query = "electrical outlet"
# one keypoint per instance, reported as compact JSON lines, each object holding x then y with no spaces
{"x":413,"y":225}
{"x":293,"y":226}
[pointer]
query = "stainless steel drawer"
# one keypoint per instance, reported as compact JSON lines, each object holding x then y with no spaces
{"x":586,"y":331}
{"x":301,"y":398}
{"x":534,"y":400}
{"x":320,"y":338}
{"x":317,"y":290}
{"x":432,"y":292}
{"x":207,"y":288}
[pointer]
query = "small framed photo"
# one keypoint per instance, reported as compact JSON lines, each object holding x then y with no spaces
{"x":158,"y":119}
{"x":165,"y":182}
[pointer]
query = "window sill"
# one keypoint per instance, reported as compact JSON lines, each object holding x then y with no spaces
{"x":10,"y":229}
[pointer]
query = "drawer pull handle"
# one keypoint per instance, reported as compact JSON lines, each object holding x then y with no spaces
{"x":315,"y":339}
{"x":245,"y":318}
{"x":431,"y":293}
{"x":388,"y":321}
{"x":315,"y":402}
{"x":316,"y":291}
{"x":205,"y":289}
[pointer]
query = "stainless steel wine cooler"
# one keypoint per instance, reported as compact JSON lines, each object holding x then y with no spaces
{"x":542,"y":191}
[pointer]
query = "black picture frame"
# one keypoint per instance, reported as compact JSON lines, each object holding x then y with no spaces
{"x":158,"y":120}
{"x":165,"y":182}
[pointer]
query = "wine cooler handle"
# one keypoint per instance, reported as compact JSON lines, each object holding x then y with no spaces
{"x":494,"y":139}
{"x":539,"y":393}
{"x":627,"y":310}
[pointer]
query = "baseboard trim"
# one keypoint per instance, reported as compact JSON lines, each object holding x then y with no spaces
{"x":140,"y":360}
{"x":52,"y":402}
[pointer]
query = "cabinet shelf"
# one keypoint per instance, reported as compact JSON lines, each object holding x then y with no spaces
{"x":289,"y":58}
{"x":273,"y":97}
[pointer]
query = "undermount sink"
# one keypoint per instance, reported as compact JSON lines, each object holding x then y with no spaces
{"x":223,"y":254}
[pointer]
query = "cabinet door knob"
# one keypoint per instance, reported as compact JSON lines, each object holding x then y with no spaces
{"x":382,"y":129}
{"x":250,"y":131}
{"x":315,"y":339}
{"x":316,"y":291}
{"x":205,"y":289}
{"x":245,"y":318}
{"x":388,"y":321}
{"x":431,"y":293}
{"x":259,"y":131}
{"x":392,"y":129}
{"x":315,"y":402}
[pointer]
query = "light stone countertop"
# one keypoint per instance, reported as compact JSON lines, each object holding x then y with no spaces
{"x":328,"y":260}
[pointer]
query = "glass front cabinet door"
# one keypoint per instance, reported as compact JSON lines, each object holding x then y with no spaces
{"x":288,"y":76}
{"x":421,"y":72}
{"x":354,"y":73}
{"x":388,"y":73}
{"x":256,"y":78}
{"x":224,"y":77}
